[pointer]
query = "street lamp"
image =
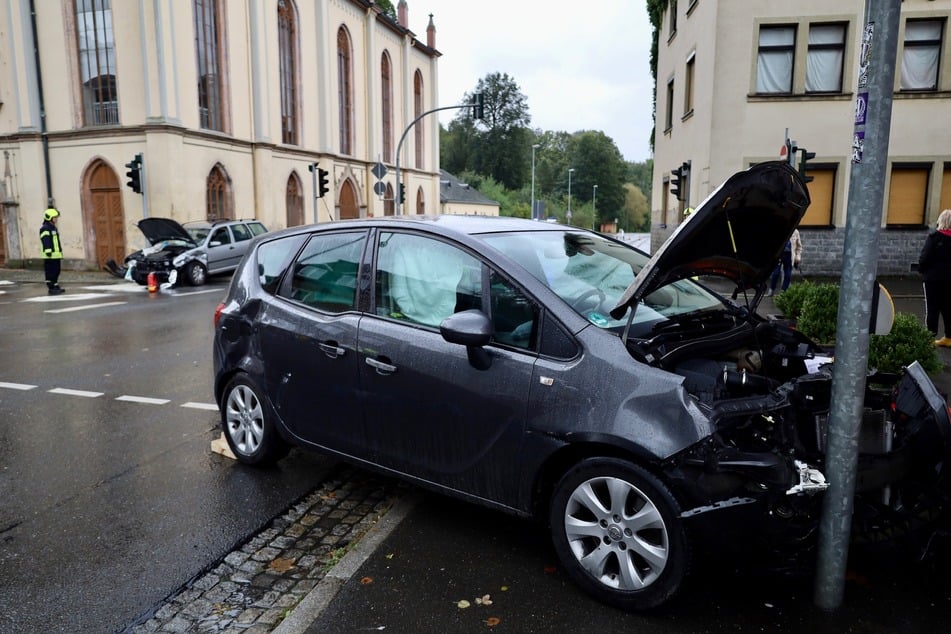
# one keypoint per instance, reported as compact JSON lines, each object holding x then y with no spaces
{"x":594,"y":209}
{"x":568,"y":215}
{"x":534,"y":147}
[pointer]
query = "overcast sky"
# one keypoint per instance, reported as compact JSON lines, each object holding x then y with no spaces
{"x":581,"y":65}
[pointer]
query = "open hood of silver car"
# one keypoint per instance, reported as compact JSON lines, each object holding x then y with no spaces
{"x":738,"y":232}
{"x":157,"y":230}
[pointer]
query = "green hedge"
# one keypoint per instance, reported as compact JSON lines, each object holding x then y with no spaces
{"x":815,"y":308}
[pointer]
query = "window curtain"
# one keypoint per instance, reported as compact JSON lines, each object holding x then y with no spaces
{"x":824,"y":63}
{"x":919,"y":60}
{"x":775,"y":60}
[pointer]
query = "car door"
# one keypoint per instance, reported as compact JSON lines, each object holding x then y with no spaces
{"x":429,"y":412}
{"x":221,"y":250}
{"x":242,"y":239}
{"x":308,"y":342}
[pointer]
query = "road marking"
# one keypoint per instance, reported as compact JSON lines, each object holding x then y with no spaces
{"x":210,"y":290}
{"x":17,"y":386}
{"x":142,"y":399}
{"x":73,"y":309}
{"x":127,"y":287}
{"x":75,"y":297}
{"x":68,"y":392}
{"x":208,"y":406}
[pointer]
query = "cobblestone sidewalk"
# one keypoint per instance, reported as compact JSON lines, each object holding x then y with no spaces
{"x":257,"y":585}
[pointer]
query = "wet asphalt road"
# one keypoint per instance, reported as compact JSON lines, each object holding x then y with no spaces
{"x":110,"y":498}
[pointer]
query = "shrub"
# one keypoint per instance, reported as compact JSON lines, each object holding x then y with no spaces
{"x":908,"y":341}
{"x":820,"y":308}
{"x":790,"y":301}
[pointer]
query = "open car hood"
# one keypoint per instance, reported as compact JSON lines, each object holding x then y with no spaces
{"x":738,"y":232}
{"x":158,"y":229}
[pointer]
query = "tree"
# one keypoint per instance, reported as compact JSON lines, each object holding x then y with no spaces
{"x":637,"y":215}
{"x":499,"y":145}
{"x":597,"y":161}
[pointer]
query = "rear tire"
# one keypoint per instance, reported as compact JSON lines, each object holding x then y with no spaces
{"x":248,"y":422}
{"x":617,"y":531}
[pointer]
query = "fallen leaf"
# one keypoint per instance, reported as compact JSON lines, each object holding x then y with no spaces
{"x":462,"y":605}
{"x":504,"y":588}
{"x":366,"y":581}
{"x":390,"y":556}
{"x":550,"y":570}
{"x":281,"y":565}
{"x":492,"y":621}
{"x":484,"y":600}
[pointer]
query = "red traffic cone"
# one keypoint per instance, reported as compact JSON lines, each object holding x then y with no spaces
{"x":152,"y":283}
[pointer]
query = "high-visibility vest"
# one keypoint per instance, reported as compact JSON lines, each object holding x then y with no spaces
{"x":49,"y":237}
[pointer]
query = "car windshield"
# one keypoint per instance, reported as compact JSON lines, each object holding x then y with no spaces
{"x":198,"y":234}
{"x":591,"y":274}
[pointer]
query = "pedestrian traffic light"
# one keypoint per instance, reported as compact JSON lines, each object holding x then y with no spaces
{"x":322,"y":185}
{"x":402,"y":193}
{"x":805,"y":156}
{"x":135,"y":173}
{"x":478,"y":108}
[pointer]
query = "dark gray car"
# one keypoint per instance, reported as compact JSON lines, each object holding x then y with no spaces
{"x":552,"y":372}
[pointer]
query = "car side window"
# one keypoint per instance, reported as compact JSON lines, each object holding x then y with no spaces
{"x":324,"y":276}
{"x":220,"y":235}
{"x":423,"y":280}
{"x":273,"y":258}
{"x":514,"y":315}
{"x":241,"y":233}
{"x":257,"y":228}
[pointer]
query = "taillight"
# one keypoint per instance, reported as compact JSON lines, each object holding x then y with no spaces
{"x":220,"y":309}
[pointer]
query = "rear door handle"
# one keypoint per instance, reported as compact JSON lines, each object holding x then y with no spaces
{"x":332,"y":350}
{"x":381,"y":367}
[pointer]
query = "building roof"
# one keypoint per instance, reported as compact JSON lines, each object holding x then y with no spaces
{"x":452,"y":190}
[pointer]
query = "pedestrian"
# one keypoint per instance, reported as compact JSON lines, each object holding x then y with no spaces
{"x":934,"y":265}
{"x":52,"y":251}
{"x":791,"y":257}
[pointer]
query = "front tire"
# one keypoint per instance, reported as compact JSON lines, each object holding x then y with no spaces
{"x":617,"y":531}
{"x":248,"y":422}
{"x":195,"y":273}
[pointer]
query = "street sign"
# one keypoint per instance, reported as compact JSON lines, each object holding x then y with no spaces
{"x":379,"y":188}
{"x":379,"y":170}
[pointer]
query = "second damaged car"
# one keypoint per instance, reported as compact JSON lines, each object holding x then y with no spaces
{"x":556,"y":373}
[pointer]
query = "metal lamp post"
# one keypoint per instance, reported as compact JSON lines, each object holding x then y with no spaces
{"x":594,"y":209}
{"x":568,"y":215}
{"x":534,"y":147}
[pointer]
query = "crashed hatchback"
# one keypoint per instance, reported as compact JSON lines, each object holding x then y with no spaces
{"x":555,"y":373}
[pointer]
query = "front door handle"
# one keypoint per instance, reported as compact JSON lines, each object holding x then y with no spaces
{"x":381,"y":367}
{"x":332,"y":350}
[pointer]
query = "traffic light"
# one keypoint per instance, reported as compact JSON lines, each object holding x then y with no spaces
{"x":791,"y":151}
{"x":322,"y":186}
{"x":478,"y":108}
{"x":805,"y":156}
{"x":402,"y":193}
{"x":676,"y":181}
{"x":135,"y":173}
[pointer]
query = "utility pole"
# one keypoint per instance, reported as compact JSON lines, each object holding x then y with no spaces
{"x":873,"y":113}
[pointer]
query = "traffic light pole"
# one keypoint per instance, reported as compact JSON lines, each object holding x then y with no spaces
{"x":399,"y":146}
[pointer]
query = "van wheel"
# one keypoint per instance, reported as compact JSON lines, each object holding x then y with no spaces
{"x":617,"y":531}
{"x":249,"y":424}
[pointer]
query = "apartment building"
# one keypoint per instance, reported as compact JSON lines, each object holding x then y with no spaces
{"x":734,"y":76}
{"x":234,"y":108}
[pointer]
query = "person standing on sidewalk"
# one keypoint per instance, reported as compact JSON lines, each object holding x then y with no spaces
{"x":934,"y":264}
{"x":52,"y":251}
{"x":791,"y":257}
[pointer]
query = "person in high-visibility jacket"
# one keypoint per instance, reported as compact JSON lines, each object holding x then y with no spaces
{"x":52,"y":251}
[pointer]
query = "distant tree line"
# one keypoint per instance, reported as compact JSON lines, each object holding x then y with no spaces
{"x":494,"y":155}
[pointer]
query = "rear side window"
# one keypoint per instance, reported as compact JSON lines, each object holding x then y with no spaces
{"x":325,"y":273}
{"x":241,"y":233}
{"x":273,"y":258}
{"x":257,"y":228}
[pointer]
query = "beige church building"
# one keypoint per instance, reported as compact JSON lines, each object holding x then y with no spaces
{"x":234,"y":108}
{"x":734,"y":77}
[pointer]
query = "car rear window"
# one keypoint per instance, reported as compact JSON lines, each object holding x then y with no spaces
{"x":257,"y":228}
{"x":241,"y":233}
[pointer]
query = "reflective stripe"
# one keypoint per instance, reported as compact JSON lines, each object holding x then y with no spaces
{"x":56,"y":253}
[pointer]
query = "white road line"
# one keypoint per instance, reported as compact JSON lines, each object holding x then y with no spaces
{"x":17,"y":386}
{"x":210,"y":290}
{"x":208,"y":406}
{"x":127,"y":287}
{"x":67,"y":297}
{"x":68,"y":392}
{"x":73,"y":309}
{"x":142,"y":399}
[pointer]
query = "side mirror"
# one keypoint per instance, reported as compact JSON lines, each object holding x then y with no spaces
{"x":472,"y":329}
